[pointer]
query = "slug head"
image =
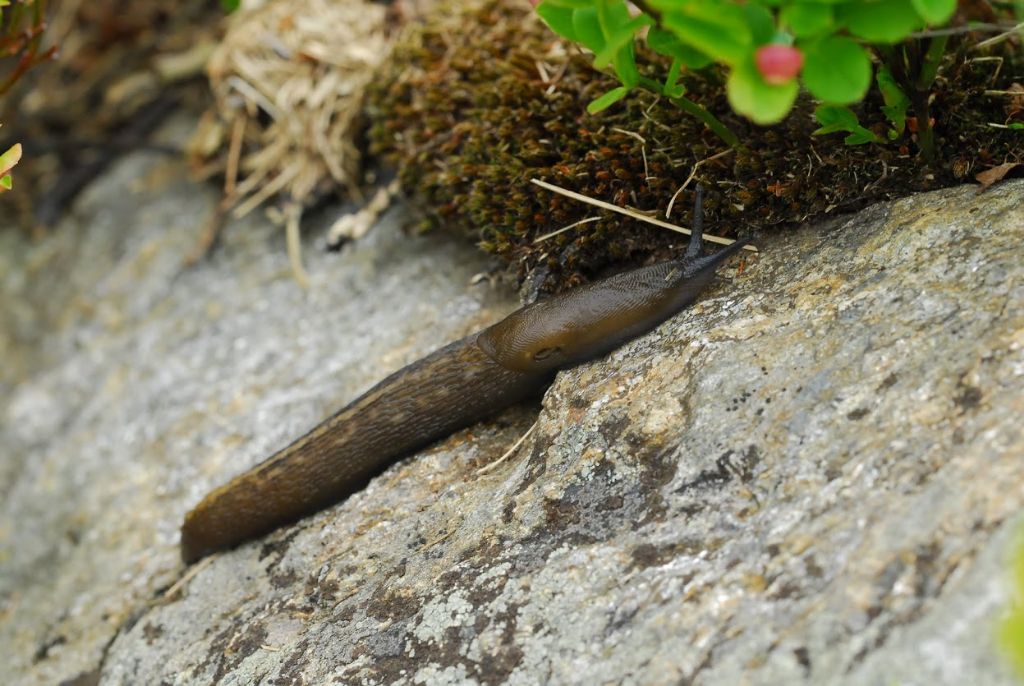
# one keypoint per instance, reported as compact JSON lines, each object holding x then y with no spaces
{"x":599,"y":317}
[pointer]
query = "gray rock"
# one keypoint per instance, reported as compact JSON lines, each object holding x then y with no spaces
{"x":811,"y":476}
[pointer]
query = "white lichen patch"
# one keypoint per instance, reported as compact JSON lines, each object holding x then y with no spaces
{"x":441,"y":614}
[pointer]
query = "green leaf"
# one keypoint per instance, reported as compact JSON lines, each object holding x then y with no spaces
{"x":935,"y":12}
{"x":558,"y":19}
{"x":607,"y":100}
{"x":836,"y":70}
{"x":719,"y":31}
{"x":663,"y":42}
{"x":6,"y":182}
{"x":760,"y":22}
{"x":1010,"y":630}
{"x":625,"y":67}
{"x":611,"y":14}
{"x":1011,"y":638}
{"x":588,"y":28}
{"x":668,"y":44}
{"x":616,"y":11}
{"x":896,"y":101}
{"x":836,"y":118}
{"x":672,"y":89}
{"x":620,"y":36}
{"x":10,"y":158}
{"x":1017,"y":566}
{"x":860,"y":137}
{"x":806,"y":19}
{"x":763,"y":103}
{"x":884,"y":21}
{"x":694,"y":58}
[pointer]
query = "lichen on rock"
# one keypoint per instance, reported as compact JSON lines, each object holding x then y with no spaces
{"x":810,"y":476}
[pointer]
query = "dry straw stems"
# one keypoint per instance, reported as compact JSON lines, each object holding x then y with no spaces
{"x":289,"y":80}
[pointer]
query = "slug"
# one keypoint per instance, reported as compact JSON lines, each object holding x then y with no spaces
{"x":453,"y":387}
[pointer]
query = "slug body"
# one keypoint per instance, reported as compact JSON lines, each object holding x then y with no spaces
{"x":445,"y":391}
{"x":451,"y":388}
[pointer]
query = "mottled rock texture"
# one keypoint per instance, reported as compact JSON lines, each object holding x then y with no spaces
{"x":811,"y":476}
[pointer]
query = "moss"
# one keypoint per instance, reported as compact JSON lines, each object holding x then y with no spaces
{"x":475,"y":104}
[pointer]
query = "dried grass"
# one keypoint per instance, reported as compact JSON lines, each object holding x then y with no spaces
{"x":289,"y":80}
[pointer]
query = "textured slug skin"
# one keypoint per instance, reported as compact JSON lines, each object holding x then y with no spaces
{"x":595,"y":319}
{"x":451,"y":388}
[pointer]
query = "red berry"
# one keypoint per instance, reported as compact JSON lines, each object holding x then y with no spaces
{"x":778,"y":64}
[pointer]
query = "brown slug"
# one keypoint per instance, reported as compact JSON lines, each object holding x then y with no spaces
{"x":453,"y":387}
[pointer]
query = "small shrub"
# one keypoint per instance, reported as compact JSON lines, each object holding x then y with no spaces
{"x":769,"y":48}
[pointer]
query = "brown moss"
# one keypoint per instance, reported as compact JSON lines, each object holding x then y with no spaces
{"x":475,"y":104}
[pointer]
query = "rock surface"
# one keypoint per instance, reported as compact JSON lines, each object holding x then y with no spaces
{"x":811,"y":476}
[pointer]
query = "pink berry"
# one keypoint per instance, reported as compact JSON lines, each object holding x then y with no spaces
{"x":778,"y":64}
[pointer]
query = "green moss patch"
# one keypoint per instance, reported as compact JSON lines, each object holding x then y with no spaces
{"x":475,"y":104}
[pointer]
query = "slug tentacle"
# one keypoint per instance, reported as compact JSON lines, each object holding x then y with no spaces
{"x":451,"y":388}
{"x":696,"y":244}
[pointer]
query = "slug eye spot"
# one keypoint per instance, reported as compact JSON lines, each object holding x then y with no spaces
{"x":545,"y":353}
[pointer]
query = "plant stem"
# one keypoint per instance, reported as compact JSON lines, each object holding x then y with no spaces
{"x":904,"y":62}
{"x":30,"y":38}
{"x":922,"y":89}
{"x":701,"y":113}
{"x":932,"y":60}
{"x":710,"y":120}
